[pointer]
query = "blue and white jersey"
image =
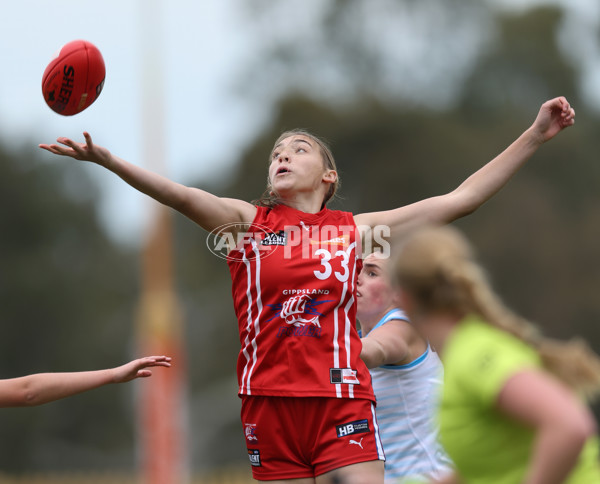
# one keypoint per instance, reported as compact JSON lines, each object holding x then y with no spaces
{"x":407,"y":403}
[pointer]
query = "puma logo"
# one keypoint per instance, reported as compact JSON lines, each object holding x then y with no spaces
{"x":357,"y":443}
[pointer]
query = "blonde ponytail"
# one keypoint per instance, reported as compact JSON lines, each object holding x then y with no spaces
{"x":572,"y":362}
{"x":437,"y":267}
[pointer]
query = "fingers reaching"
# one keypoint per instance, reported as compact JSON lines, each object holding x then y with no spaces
{"x":72,"y":150}
{"x":149,"y":361}
{"x":161,"y":360}
{"x":88,"y":140}
{"x":139,"y":368}
{"x":78,"y":148}
{"x":155,"y":361}
{"x":86,"y":151}
{"x":59,"y":150}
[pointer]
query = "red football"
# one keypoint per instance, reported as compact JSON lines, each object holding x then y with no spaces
{"x":74,"y":78}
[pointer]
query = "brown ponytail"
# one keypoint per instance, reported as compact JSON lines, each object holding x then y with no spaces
{"x":437,"y":267}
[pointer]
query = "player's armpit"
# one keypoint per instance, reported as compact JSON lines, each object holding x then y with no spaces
{"x":211,"y":212}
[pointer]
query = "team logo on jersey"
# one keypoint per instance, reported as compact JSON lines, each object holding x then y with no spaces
{"x":298,"y":311}
{"x":300,"y":314}
{"x":254,"y":456}
{"x":352,"y":428}
{"x":279,"y":238}
{"x":250,"y":432}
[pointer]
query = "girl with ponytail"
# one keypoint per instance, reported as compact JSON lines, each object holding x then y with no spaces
{"x":512,"y":409}
{"x":300,"y":353}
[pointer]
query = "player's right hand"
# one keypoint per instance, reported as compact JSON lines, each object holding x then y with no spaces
{"x":87,"y":151}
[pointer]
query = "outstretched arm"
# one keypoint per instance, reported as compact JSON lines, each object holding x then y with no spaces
{"x":46,"y":387}
{"x":206,"y":209}
{"x":553,"y":117}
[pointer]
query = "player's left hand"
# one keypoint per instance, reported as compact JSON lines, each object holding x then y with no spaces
{"x":139,"y":368}
{"x":554,"y":116}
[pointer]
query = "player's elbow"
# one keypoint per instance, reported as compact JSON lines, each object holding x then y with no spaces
{"x":577,"y":427}
{"x":26,"y":395}
{"x":29,"y":399}
{"x":584,"y":426}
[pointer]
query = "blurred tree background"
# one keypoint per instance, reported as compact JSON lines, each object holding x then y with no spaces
{"x":407,"y":120}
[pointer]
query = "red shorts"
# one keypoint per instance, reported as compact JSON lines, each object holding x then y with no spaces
{"x":300,"y":437}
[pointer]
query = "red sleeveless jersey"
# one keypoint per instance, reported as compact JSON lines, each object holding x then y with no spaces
{"x":294,"y":291}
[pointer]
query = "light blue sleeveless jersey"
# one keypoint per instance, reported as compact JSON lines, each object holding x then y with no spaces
{"x":407,"y":404}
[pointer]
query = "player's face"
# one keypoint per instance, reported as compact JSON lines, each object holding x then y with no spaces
{"x":297,"y":166}
{"x":374,"y":291}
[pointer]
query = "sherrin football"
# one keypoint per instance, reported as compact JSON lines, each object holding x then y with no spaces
{"x":74,"y":78}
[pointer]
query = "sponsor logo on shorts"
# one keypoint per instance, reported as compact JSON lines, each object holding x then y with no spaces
{"x":250,"y":432}
{"x":343,"y":375}
{"x":254,"y":456}
{"x":359,"y":443}
{"x":352,"y":428}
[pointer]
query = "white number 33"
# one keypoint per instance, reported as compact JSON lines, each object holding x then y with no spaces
{"x":327,"y":269}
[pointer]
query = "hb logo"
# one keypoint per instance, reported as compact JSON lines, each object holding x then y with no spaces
{"x":344,"y":430}
{"x":351,"y":428}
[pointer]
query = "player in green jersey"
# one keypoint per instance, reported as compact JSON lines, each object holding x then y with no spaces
{"x":513,"y":409}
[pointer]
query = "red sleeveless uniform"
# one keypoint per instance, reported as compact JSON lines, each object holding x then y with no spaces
{"x":294,"y":291}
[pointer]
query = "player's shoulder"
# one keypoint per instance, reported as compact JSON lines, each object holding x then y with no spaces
{"x":264,"y":214}
{"x":473,"y":329}
{"x":396,"y":314}
{"x":476,"y":345}
{"x":394,"y":323}
{"x":336,"y":212}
